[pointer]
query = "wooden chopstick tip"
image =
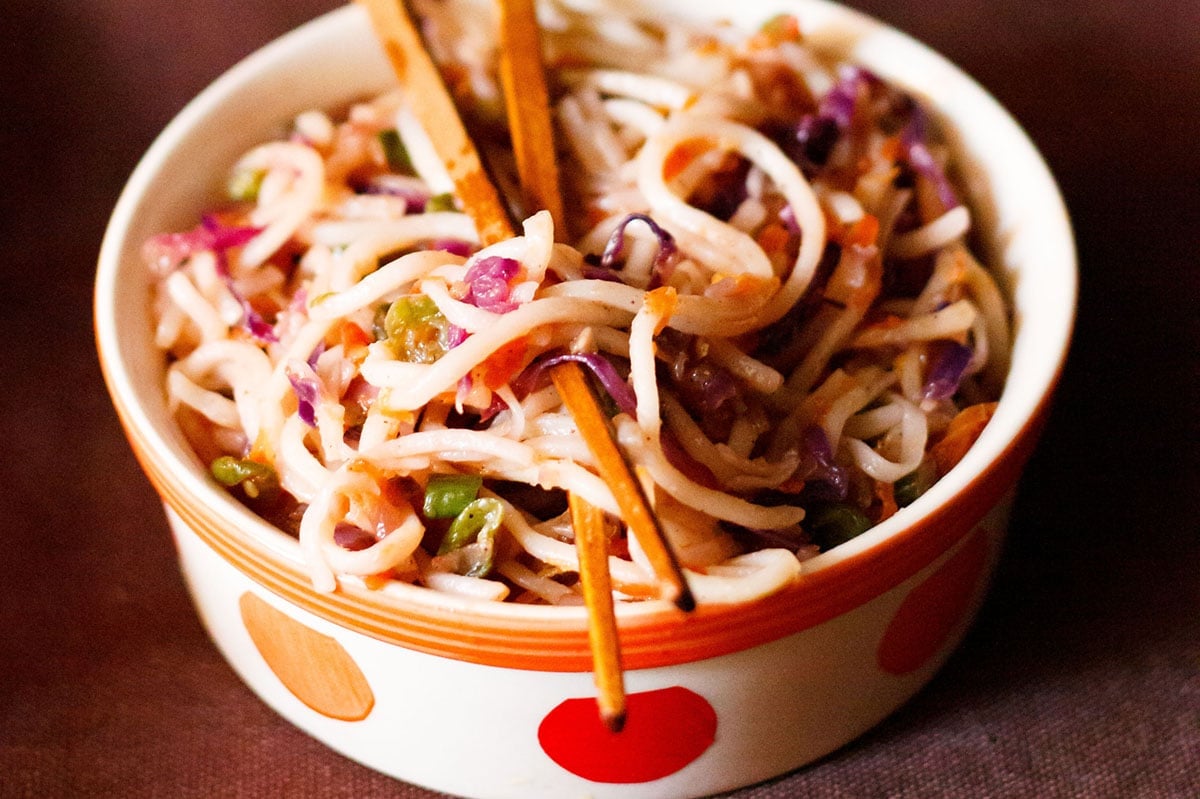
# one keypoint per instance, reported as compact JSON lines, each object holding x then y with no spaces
{"x":685,"y":600}
{"x":614,"y":720}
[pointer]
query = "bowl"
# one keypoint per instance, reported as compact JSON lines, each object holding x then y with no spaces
{"x":497,"y":700}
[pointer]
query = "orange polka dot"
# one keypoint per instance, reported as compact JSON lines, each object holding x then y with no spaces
{"x":314,"y":667}
{"x":934,"y":609}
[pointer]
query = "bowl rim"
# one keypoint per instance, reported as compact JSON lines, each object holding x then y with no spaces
{"x":554,"y":638}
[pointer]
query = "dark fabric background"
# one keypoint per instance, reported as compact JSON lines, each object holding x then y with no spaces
{"x":1082,"y":676}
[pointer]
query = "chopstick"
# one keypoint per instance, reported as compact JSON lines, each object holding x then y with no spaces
{"x":615,"y":470}
{"x":592,"y":546}
{"x":436,"y":112}
{"x":524,"y":81}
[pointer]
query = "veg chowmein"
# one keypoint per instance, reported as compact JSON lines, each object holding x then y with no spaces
{"x":764,"y":268}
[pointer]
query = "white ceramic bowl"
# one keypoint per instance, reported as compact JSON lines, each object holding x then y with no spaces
{"x":495,"y":700}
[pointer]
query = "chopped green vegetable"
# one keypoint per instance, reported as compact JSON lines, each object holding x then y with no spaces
{"x":394,"y":151}
{"x":256,"y":479}
{"x":907,"y":489}
{"x":912,"y":485}
{"x":448,"y":495}
{"x":835,"y":523}
{"x":416,"y":329}
{"x":440,"y":202}
{"x":479,"y":520}
{"x":244,"y":184}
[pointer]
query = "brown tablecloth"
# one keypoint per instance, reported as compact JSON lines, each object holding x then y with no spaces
{"x":1082,"y":676}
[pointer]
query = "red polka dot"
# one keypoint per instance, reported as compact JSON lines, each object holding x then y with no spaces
{"x":664,"y":731}
{"x":933,"y":610}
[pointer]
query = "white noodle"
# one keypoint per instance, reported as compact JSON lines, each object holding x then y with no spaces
{"x":661,"y":122}
{"x":946,"y":229}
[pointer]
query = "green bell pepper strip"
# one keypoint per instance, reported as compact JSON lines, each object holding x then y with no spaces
{"x":394,"y":151}
{"x":440,"y":202}
{"x":479,"y":520}
{"x":256,"y":479}
{"x":448,"y":495}
{"x":835,"y":523}
{"x":416,"y":330}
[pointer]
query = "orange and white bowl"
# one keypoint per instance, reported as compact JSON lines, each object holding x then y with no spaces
{"x":496,"y":700}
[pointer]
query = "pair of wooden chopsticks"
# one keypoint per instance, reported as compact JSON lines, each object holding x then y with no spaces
{"x":524,"y":83}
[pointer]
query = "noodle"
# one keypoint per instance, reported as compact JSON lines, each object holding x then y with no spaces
{"x":790,"y":326}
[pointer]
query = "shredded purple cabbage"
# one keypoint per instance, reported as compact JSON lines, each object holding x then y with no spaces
{"x":817,"y":136}
{"x":465,"y":384}
{"x":707,"y":387}
{"x":818,"y":133}
{"x":616,"y":386}
{"x":948,"y":362}
{"x":497,"y":405}
{"x":664,"y":261}
{"x":316,"y":354}
{"x":817,"y":466}
{"x":169,"y":250}
{"x":455,"y":335}
{"x":488,"y":283}
{"x":352,"y":537}
{"x":259,"y":328}
{"x":487,"y":288}
{"x":452,"y":246}
{"x":838,"y":104}
{"x":414,"y":199}
{"x":914,"y":141}
{"x":787,"y":216}
{"x":599,"y":273}
{"x":308,"y":392}
{"x":221,"y":238}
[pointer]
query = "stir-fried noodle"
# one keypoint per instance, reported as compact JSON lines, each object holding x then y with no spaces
{"x":767,"y":278}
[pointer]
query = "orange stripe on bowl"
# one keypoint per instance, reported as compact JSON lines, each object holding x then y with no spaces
{"x":559,"y":643}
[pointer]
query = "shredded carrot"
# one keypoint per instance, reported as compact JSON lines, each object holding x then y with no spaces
{"x":833,"y":224}
{"x":885,"y":323}
{"x":230,"y":218}
{"x":679,"y":158}
{"x":618,"y":546}
{"x":743,"y":285}
{"x":372,"y":471}
{"x":661,"y":302}
{"x":961,"y":433}
{"x":864,"y":232}
{"x":773,"y":238}
{"x":354,"y":341}
{"x":376,"y":582}
{"x":792,"y":485}
{"x":890,"y":148}
{"x":503,"y":364}
{"x":261,"y":451}
{"x":886,"y":494}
